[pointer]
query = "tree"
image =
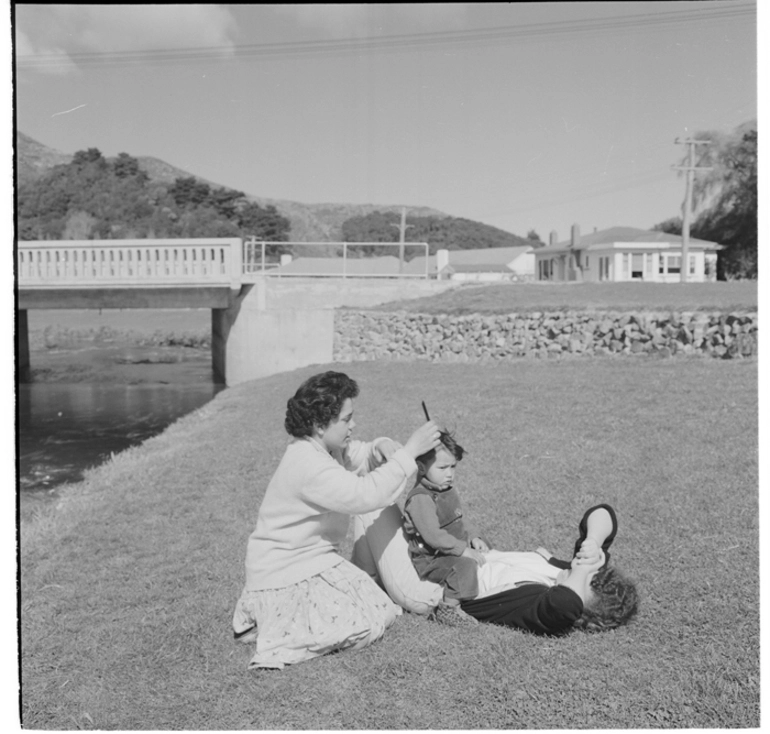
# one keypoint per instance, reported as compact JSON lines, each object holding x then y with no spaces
{"x":535,"y":238}
{"x":126,"y":166}
{"x":264,"y":223}
{"x":669,"y":226}
{"x":79,"y":226}
{"x":189,"y":191}
{"x":86,"y":157}
{"x":726,"y":199}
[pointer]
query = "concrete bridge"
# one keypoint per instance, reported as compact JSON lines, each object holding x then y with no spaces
{"x":260,"y":324}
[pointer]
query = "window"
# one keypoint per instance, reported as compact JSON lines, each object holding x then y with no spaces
{"x":692,"y":264}
{"x":674,"y":263}
{"x":648,"y":265}
{"x":637,"y":265}
{"x":625,"y":265}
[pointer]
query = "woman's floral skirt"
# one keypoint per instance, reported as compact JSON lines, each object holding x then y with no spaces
{"x":338,"y":609}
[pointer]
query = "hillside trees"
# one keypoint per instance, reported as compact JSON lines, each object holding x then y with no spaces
{"x":449,"y":233}
{"x":95,"y":198}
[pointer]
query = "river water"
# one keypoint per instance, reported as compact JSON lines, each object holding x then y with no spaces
{"x":84,"y":405}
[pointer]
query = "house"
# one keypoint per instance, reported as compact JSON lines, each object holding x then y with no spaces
{"x":483,"y":264}
{"x":625,"y":254}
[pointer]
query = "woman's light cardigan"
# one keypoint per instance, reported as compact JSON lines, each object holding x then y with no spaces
{"x":306,"y":509}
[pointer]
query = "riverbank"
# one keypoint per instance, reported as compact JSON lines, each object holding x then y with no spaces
{"x":130,"y":347}
{"x":128,"y":585}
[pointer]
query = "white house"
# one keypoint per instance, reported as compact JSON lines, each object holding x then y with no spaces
{"x":625,"y":254}
{"x":481,"y":264}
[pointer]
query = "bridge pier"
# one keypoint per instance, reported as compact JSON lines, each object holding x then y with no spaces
{"x":22,"y":346}
{"x":249,"y":341}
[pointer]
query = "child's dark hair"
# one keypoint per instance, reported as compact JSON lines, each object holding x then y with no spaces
{"x":616,"y":601}
{"x":317,"y":402}
{"x":449,"y":443}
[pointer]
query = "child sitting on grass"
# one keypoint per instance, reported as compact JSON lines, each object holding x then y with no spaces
{"x":442,"y":547}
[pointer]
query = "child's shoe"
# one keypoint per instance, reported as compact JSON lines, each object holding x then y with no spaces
{"x":453,"y":616}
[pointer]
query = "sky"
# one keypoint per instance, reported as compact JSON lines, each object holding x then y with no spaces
{"x":523,"y":116}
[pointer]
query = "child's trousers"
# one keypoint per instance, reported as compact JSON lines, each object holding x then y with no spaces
{"x":457,"y":574}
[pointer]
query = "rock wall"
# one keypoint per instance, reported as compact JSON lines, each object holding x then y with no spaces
{"x":371,"y":335}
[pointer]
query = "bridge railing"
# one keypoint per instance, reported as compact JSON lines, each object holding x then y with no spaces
{"x":127,"y":263}
{"x":207,"y":261}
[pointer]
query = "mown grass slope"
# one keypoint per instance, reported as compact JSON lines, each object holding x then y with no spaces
{"x":521,"y":297}
{"x":128,"y":588}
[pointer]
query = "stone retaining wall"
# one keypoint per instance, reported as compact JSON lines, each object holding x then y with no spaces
{"x":372,"y":335}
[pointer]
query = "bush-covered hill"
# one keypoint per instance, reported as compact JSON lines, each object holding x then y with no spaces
{"x":91,"y":197}
{"x":451,"y":233}
{"x":308,"y":222}
{"x":325,"y":222}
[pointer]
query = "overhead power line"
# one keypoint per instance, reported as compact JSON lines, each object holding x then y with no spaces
{"x":400,"y":42}
{"x":583,"y":194}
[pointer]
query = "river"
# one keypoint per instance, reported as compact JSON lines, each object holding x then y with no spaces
{"x":86,"y":403}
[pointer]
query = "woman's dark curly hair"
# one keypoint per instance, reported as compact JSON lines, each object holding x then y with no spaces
{"x":615,"y":602}
{"x":317,"y":402}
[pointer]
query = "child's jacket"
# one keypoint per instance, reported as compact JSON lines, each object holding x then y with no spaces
{"x":434,"y":522}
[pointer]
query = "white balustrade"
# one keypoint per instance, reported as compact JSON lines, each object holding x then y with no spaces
{"x":127,"y":263}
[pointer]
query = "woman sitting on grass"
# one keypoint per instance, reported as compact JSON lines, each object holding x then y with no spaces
{"x":302,"y":599}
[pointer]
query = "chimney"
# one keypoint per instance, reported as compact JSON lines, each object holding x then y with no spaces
{"x":553,"y":238}
{"x":575,"y":242}
{"x":442,"y":260}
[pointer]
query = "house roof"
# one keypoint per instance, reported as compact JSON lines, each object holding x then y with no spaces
{"x":478,"y":268}
{"x":387,"y":265}
{"x":623,"y":234}
{"x":487,"y":255}
{"x":482,"y":256}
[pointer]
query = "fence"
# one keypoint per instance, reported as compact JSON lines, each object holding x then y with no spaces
{"x":335,"y":259}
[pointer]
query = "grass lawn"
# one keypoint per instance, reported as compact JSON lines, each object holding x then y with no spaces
{"x":128,"y":589}
{"x":520,"y":297}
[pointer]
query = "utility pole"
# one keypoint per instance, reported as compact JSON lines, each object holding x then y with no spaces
{"x":402,"y":231}
{"x":690,"y":168}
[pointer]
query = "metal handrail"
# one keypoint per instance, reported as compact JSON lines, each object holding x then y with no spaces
{"x":255,"y":260}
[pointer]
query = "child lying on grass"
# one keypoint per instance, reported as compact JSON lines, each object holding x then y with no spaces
{"x":442,"y":546}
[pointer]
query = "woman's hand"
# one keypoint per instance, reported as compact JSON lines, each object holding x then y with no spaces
{"x":425,"y":438}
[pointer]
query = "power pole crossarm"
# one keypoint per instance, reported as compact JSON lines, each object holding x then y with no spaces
{"x":690,"y":170}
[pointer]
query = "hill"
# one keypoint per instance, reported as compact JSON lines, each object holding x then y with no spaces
{"x":309,"y":222}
